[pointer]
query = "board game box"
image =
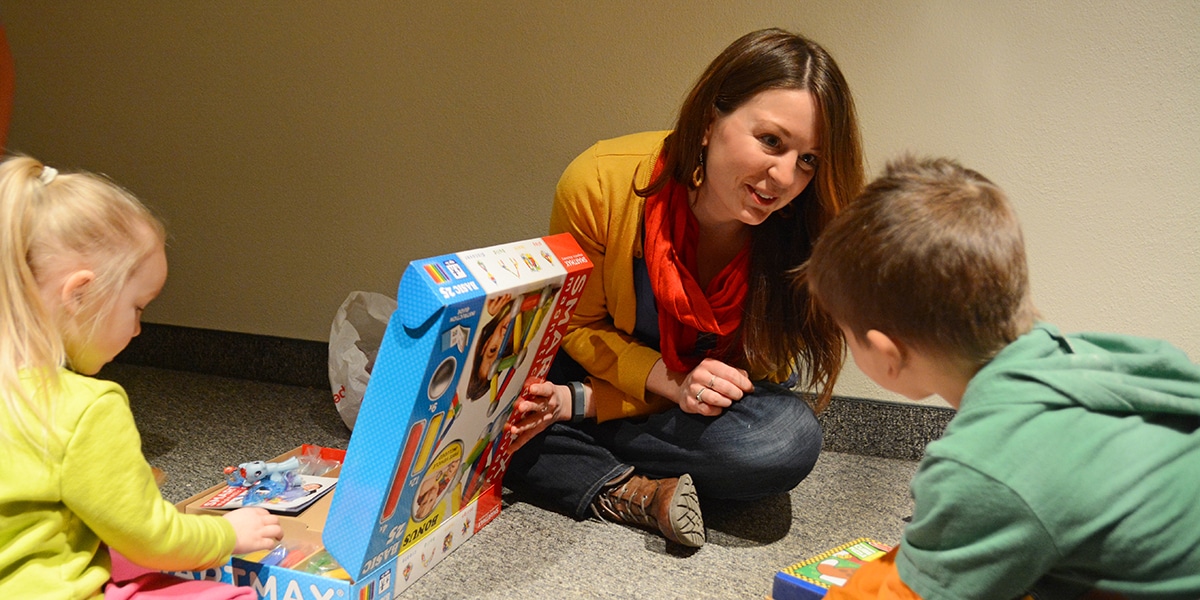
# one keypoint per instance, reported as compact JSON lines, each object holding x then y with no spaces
{"x":810,"y":579}
{"x":423,"y":468}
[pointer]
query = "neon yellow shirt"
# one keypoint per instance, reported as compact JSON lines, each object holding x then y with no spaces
{"x":57,"y":508}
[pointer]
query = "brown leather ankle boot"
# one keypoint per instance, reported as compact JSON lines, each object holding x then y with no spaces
{"x":669,"y":505}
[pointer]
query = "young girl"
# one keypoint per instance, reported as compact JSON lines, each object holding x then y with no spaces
{"x":80,"y":258}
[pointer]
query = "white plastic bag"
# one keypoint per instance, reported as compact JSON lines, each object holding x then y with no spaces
{"x":354,"y":340}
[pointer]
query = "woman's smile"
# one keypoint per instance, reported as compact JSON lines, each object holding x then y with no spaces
{"x":761,"y":198}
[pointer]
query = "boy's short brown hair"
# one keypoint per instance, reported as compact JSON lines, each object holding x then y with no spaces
{"x":931,"y":254}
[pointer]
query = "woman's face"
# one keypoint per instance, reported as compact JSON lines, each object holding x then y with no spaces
{"x":759,"y":157}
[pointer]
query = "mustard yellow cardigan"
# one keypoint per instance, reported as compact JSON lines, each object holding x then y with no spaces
{"x":595,"y":201}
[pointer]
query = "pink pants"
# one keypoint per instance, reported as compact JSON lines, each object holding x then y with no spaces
{"x":131,"y":582}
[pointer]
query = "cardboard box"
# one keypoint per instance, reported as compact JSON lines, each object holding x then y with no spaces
{"x":423,"y":469}
{"x":811,"y":579}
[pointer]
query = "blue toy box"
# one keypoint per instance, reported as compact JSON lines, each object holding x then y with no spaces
{"x":423,"y":469}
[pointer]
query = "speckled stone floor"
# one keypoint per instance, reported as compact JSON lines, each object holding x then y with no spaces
{"x":195,"y":423}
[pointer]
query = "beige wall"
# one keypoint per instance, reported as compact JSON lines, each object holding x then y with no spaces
{"x":301,"y":150}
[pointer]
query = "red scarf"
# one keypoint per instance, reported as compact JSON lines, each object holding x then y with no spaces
{"x":684,"y":309}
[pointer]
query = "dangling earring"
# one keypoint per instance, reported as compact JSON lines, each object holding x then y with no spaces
{"x":698,"y":174}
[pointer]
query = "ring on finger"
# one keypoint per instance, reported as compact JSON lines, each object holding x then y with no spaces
{"x":699,"y":393}
{"x":711,"y":381}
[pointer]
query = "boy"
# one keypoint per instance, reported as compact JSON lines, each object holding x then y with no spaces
{"x":1072,"y":466}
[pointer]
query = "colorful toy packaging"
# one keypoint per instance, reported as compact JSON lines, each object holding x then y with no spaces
{"x":811,"y":579}
{"x":423,"y":469}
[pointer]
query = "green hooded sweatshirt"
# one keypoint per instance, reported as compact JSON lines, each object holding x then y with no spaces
{"x":1073,"y":463}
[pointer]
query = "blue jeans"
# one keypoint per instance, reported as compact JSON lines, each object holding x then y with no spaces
{"x":764,"y":444}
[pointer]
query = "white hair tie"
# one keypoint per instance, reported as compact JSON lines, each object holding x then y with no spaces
{"x":48,"y":175}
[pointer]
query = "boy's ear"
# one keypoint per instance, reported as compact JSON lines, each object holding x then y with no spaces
{"x":889,"y":349}
{"x":74,"y":286}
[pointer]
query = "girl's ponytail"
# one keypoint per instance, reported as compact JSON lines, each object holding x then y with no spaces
{"x":52,"y":222}
{"x":29,"y":341}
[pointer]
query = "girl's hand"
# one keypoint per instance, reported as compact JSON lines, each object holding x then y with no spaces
{"x":712,"y":387}
{"x":540,"y":405}
{"x":256,"y":529}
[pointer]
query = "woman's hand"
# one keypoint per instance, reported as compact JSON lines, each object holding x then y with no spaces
{"x":539,"y":406}
{"x":712,"y":387}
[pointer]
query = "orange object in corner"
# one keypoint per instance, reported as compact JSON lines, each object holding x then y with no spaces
{"x":875,"y":580}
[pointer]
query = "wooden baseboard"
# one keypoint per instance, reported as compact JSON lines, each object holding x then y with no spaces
{"x":851,"y":425}
{"x":883,"y":429}
{"x":243,"y":355}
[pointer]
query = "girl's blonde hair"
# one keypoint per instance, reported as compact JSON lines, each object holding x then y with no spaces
{"x":50,"y":222}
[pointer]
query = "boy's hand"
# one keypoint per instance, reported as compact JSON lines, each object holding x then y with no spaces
{"x":712,"y":387}
{"x":539,"y":407}
{"x":256,"y":529}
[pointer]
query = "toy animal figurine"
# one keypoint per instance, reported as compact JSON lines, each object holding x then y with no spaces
{"x":266,"y":481}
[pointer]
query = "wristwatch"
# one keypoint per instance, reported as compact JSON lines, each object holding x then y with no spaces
{"x":578,"y":403}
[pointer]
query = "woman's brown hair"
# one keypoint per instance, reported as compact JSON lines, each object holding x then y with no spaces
{"x":781,"y":328}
